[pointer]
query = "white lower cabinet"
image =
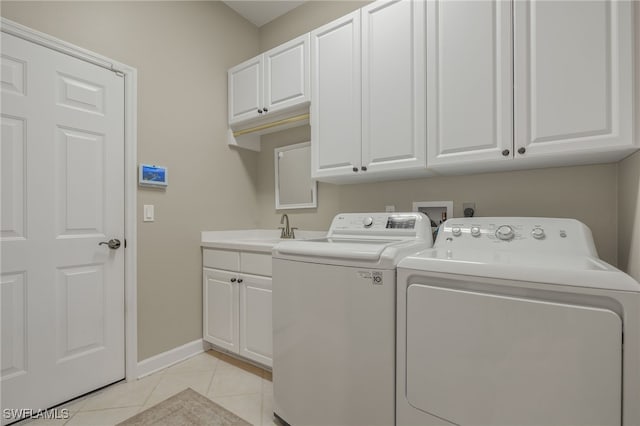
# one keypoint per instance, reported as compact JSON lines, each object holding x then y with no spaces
{"x":237,"y":304}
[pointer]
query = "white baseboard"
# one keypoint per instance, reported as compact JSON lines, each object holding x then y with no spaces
{"x":170,"y":357}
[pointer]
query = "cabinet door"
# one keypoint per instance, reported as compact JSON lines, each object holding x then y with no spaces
{"x":220,"y":310}
{"x":256,"y":334}
{"x":245,"y":90}
{"x":573,"y":77}
{"x":393,"y":86}
{"x":286,"y":75}
{"x":336,"y":97}
{"x":469,"y":82}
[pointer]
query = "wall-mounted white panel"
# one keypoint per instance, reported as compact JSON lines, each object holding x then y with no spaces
{"x":13,"y":178}
{"x":13,"y":75}
{"x":81,"y":182}
{"x":14,"y":324}
{"x":81,"y":310}
{"x":80,"y":94}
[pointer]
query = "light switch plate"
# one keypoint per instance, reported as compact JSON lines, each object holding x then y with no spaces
{"x":149,"y":215}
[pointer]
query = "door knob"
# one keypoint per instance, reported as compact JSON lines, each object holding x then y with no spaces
{"x":112,"y":243}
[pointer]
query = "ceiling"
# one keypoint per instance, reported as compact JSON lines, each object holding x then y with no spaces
{"x":261,"y":12}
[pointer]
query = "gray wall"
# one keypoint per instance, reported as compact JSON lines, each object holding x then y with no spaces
{"x":182,"y":51}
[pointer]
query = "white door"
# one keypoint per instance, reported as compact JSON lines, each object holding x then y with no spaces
{"x":256,"y":332}
{"x":393,"y":86}
{"x":469,"y":82}
{"x":336,"y":98}
{"x":245,"y":90}
{"x":573,"y":77}
{"x":286,"y":75}
{"x":62,"y":194}
{"x":221,"y":308}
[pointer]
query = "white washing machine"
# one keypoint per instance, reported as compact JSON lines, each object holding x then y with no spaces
{"x":516,"y":321}
{"x":334,"y":303}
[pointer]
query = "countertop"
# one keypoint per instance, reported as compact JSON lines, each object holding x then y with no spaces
{"x":260,"y":240}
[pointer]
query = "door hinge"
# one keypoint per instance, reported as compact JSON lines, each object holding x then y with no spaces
{"x":125,"y":243}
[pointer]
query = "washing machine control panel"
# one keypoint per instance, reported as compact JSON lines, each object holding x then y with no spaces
{"x":565,"y":235}
{"x":381,"y":225}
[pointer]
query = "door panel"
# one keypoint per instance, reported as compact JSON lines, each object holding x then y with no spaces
{"x":256,"y":334}
{"x":573,"y":76}
{"x":62,"y":194}
{"x":336,"y":97}
{"x":287,"y":75}
{"x":245,"y":90}
{"x":221,"y":309}
{"x":393,"y":88}
{"x":469,"y":75}
{"x":479,"y":358}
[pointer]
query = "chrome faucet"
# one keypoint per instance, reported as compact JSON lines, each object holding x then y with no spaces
{"x":287,"y":232}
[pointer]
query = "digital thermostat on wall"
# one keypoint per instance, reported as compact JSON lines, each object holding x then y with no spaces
{"x":150,"y":175}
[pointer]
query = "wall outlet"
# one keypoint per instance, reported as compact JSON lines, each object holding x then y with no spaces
{"x":390,"y":208}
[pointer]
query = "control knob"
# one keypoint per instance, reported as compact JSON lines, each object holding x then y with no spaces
{"x":475,"y":231}
{"x":456,"y":231}
{"x":538,"y":233}
{"x":367,"y":222}
{"x":505,"y":233}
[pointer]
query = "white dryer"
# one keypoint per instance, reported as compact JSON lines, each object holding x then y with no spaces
{"x":334,"y":318}
{"x":516,"y":321}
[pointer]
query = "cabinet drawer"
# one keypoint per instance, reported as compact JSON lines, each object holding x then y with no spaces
{"x":255,"y":263}
{"x":222,"y":259}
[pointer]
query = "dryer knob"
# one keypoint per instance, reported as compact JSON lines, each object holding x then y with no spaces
{"x":456,"y":231}
{"x":505,"y":233}
{"x":367,"y":222}
{"x":538,"y":233}
{"x":475,"y":231}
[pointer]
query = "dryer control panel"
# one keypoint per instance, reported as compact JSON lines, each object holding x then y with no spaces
{"x":517,"y":233}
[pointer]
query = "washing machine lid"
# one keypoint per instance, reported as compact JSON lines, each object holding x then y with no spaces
{"x":545,"y":250}
{"x":379,"y":239}
{"x":579,"y":271}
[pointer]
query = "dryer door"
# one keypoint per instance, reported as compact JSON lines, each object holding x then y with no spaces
{"x":485,"y":359}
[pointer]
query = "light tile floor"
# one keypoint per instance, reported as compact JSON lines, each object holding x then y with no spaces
{"x":239,"y":387}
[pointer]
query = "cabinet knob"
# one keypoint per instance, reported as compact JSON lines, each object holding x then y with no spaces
{"x":265,"y":110}
{"x":522,"y":150}
{"x":259,"y":111}
{"x":364,"y":168}
{"x":233,"y":280}
{"x":240,"y":280}
{"x":355,"y":169}
{"x":506,"y":152}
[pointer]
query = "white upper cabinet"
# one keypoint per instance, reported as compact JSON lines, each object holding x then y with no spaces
{"x":573,"y":79}
{"x":245,"y":90}
{"x":469,"y":82}
{"x":270,"y":84}
{"x":336,"y":97}
{"x":368,"y":93}
{"x":393,"y":86}
{"x":286,"y":75}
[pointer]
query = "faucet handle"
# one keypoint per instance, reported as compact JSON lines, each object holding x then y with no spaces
{"x":293,"y":234}
{"x":282,"y":233}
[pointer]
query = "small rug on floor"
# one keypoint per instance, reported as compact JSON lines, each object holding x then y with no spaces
{"x":187,"y":408}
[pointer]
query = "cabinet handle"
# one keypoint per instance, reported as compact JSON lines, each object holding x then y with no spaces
{"x":355,"y":169}
{"x":259,"y":111}
{"x":506,"y":152}
{"x":522,"y":150}
{"x":363,"y":168}
{"x":239,"y":280}
{"x":265,"y":110}
{"x":233,"y":280}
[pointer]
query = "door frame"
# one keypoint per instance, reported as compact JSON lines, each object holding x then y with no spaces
{"x":130,"y":76}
